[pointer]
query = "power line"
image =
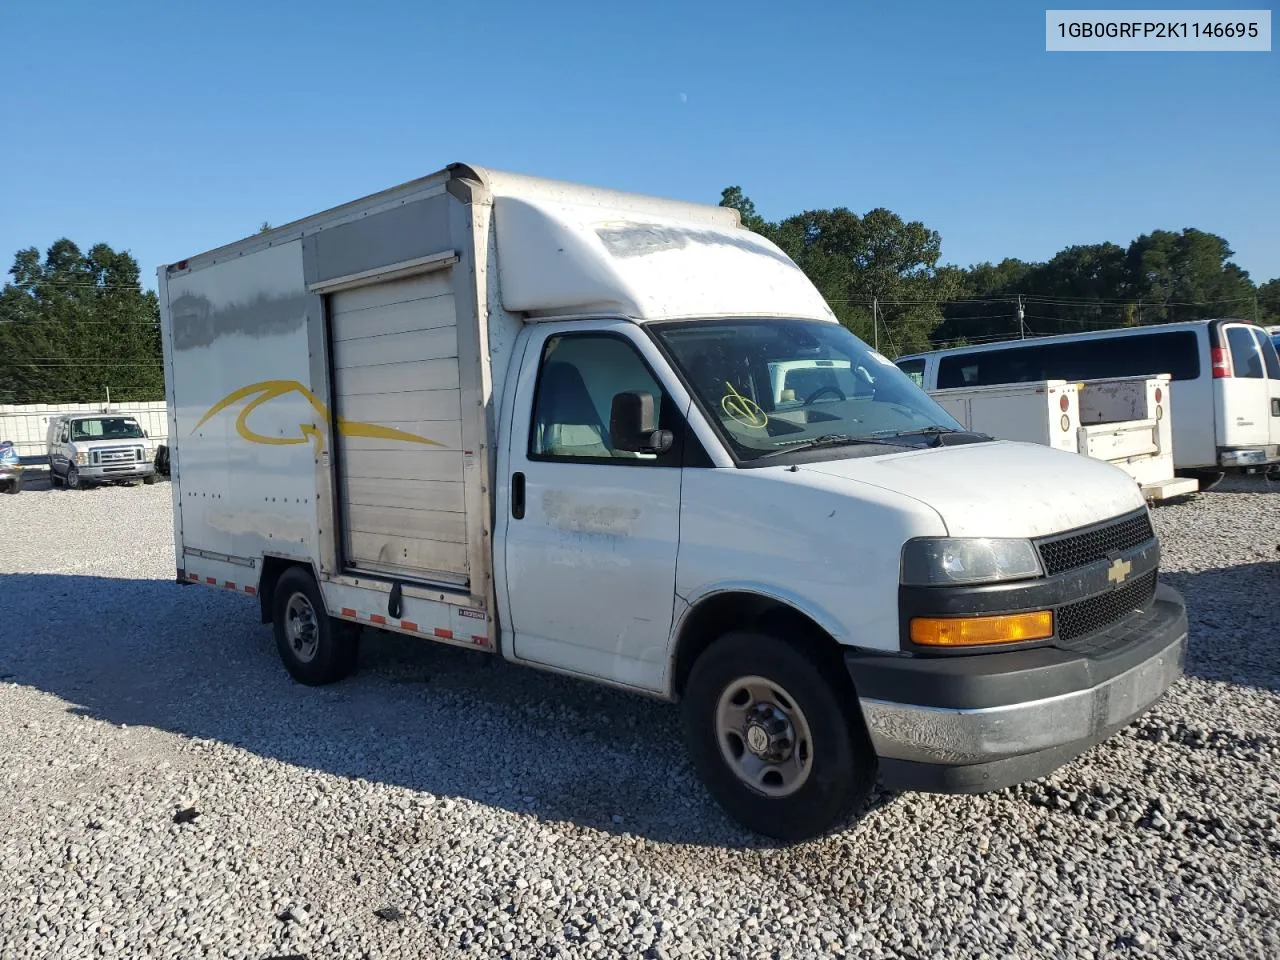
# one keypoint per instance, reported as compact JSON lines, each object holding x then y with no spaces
{"x":85,"y":364}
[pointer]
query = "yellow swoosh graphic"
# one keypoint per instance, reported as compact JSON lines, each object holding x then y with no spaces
{"x":271,"y":389}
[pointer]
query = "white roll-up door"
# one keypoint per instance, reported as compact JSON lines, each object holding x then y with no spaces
{"x":395,"y":357}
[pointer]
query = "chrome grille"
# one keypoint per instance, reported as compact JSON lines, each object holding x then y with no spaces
{"x":1074,"y":550}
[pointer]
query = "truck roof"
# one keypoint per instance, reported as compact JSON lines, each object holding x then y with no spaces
{"x":1016,"y":343}
{"x":567,"y":249}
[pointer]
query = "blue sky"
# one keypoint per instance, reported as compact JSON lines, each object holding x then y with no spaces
{"x":167,"y":130}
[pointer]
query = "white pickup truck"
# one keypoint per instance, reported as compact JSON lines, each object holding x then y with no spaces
{"x":545,"y":421}
{"x":1125,"y":421}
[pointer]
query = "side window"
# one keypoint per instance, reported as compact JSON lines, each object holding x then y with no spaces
{"x":577,"y":381}
{"x":1269,"y":358}
{"x":1246,"y":358}
{"x":913,"y":369}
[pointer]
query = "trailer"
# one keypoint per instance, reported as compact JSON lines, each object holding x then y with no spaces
{"x":1125,"y":421}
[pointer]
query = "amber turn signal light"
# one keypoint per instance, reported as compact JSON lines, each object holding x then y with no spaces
{"x":976,"y":631}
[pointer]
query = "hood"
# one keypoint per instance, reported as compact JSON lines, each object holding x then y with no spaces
{"x":1000,"y":489}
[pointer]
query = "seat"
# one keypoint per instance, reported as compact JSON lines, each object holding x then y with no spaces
{"x":566,"y":421}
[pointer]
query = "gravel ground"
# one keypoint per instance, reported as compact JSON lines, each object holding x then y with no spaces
{"x":168,"y":791}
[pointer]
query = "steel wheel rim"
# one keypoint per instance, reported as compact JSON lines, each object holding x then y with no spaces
{"x":73,"y":477}
{"x":301,"y":628}
{"x":764,"y":736}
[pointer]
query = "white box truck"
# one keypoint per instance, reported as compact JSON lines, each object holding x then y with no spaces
{"x":1124,"y":421}
{"x":538,"y":419}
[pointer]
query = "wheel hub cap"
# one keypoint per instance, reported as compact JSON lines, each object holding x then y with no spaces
{"x":302,"y":628}
{"x":764,"y":736}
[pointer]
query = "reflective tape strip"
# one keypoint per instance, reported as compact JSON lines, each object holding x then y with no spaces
{"x":408,"y":625}
{"x":443,"y":634}
{"x":251,"y":590}
{"x":480,"y":641}
{"x":378,"y":619}
{"x":348,"y":612}
{"x":211,"y":580}
{"x":229,"y":585}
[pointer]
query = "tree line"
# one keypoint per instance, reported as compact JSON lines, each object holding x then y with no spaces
{"x":882,"y":277}
{"x":75,"y":325}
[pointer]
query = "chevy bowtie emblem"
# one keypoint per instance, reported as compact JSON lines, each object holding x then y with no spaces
{"x":1118,"y":570}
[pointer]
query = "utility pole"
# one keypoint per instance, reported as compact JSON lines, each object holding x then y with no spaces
{"x":1022,"y":329}
{"x":875,"y":322}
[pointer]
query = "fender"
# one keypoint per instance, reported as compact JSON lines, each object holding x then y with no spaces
{"x":789,"y":598}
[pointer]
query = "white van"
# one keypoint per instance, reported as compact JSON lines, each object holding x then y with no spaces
{"x":86,"y":449}
{"x":1224,"y":390}
{"x":579,"y":429}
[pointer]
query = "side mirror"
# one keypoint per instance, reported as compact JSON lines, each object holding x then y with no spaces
{"x":633,"y":424}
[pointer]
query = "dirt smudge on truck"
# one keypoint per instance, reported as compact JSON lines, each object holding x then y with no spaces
{"x":577,"y":514}
{"x":198,"y":323}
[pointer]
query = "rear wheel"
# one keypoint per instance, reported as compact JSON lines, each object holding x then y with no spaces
{"x":780,"y":747}
{"x":316,"y":648}
{"x":15,"y":484}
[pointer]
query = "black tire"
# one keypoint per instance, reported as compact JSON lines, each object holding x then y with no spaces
{"x":14,"y":486}
{"x":72,"y":478}
{"x":842,"y":765}
{"x":162,"y":460}
{"x":149,"y":480}
{"x":334,"y":648}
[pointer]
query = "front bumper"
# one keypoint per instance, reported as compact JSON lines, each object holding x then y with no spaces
{"x":975,"y":723}
{"x":95,"y":473}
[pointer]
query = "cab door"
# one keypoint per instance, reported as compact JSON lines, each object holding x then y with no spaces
{"x":592,"y":531}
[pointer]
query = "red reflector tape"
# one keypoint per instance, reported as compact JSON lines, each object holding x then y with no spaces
{"x":229,"y":585}
{"x":213,"y":580}
{"x":348,"y":612}
{"x":377,"y":618}
{"x":408,"y":625}
{"x":193,"y":576}
{"x":443,"y":634}
{"x":250,"y":590}
{"x":480,"y":641}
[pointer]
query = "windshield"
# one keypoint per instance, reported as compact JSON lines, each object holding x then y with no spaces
{"x":106,"y":428}
{"x":770,"y":385}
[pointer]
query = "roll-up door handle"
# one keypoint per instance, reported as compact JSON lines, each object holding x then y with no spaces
{"x":517,"y":495}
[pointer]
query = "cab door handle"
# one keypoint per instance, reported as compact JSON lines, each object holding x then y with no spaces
{"x":517,"y":495}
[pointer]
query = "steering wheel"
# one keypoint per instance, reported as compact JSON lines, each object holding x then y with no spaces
{"x":825,"y":388}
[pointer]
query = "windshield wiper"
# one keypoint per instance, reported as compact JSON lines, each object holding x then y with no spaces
{"x":828,"y":440}
{"x":932,"y":432}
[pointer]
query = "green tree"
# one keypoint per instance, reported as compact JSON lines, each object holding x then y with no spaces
{"x":1269,"y":302}
{"x":735,"y":198}
{"x":76,"y":325}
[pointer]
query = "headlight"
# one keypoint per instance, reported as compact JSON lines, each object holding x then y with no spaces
{"x":939,"y":561}
{"x":82,"y":457}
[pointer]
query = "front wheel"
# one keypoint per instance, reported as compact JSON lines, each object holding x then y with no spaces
{"x":316,"y":648}
{"x":779,"y":746}
{"x":73,"y":478}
